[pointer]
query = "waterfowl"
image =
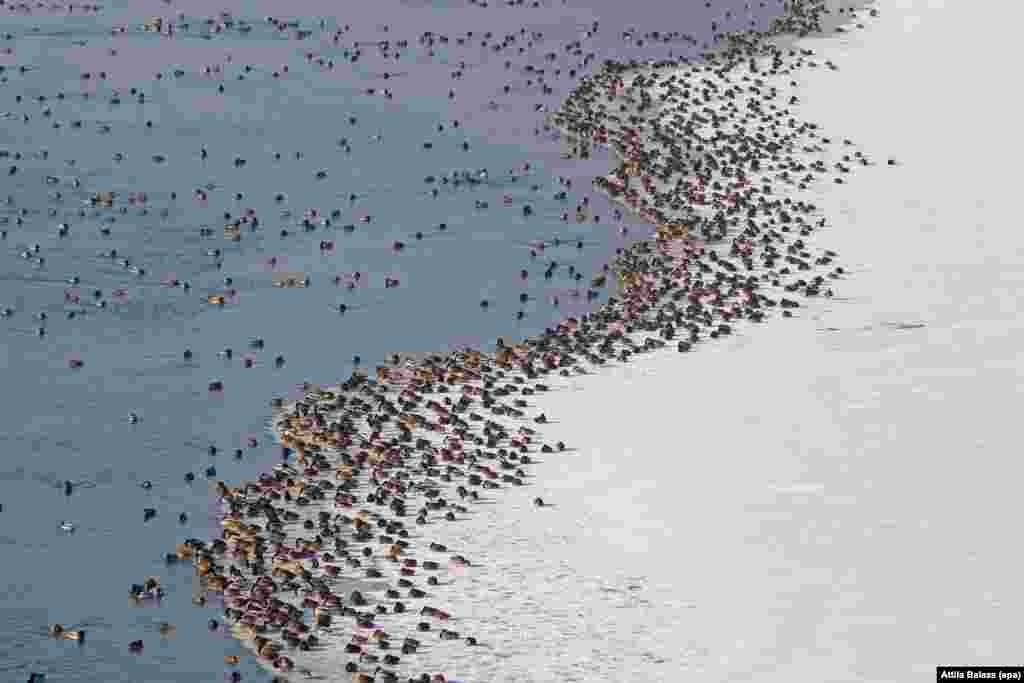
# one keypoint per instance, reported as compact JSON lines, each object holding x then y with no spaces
{"x":434,"y":461}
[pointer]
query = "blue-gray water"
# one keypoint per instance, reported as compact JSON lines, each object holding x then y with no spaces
{"x":61,"y":423}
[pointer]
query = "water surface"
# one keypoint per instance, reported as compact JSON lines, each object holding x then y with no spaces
{"x":61,"y":423}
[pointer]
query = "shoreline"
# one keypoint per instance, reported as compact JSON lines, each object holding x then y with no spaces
{"x":672,"y":269}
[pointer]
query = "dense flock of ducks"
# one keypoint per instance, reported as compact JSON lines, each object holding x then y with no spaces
{"x":332,"y":548}
{"x":710,"y":154}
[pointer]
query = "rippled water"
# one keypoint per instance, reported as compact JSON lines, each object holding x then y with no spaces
{"x":63,"y":424}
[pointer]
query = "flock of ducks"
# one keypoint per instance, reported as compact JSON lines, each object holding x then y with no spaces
{"x":374,"y":463}
{"x":712,"y":155}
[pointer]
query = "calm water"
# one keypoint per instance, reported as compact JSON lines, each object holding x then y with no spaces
{"x":61,"y":423}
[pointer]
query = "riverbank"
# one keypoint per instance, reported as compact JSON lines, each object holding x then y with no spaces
{"x":408,"y":440}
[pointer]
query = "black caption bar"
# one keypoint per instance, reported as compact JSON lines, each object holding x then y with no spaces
{"x":979,"y":673}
